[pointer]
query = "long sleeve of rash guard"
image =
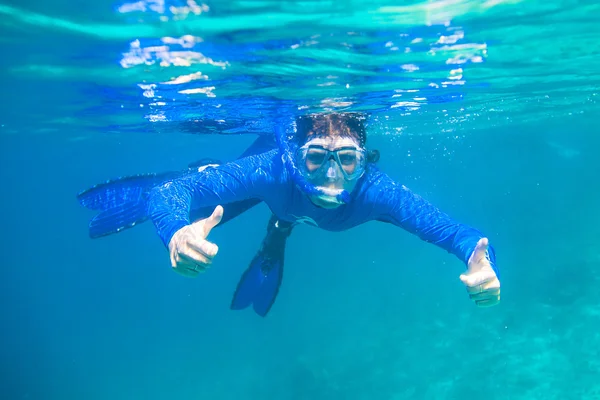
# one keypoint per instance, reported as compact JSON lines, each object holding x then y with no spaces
{"x":396,"y":204}
{"x":170,"y":204}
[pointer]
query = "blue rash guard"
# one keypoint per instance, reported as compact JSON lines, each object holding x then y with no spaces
{"x":265,"y":177}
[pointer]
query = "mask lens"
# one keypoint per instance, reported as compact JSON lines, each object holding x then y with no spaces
{"x":348,"y":160}
{"x":315,"y":157}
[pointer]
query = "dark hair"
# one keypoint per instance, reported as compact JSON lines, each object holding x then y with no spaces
{"x":344,"y":124}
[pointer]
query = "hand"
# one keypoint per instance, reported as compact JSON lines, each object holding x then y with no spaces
{"x":190,"y":252}
{"x":482,"y":283}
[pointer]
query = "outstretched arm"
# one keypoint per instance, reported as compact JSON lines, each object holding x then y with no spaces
{"x":396,"y":204}
{"x":170,"y":204}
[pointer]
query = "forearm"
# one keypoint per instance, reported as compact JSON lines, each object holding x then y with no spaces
{"x":421,"y":218}
{"x":245,"y":179}
{"x":169,"y":207}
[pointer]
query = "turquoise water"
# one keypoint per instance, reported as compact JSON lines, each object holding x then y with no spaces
{"x":488,"y":109}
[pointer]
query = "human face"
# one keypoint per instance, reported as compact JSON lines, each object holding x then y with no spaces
{"x":332,"y":164}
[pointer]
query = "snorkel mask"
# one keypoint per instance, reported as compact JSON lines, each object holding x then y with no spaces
{"x":307,"y":161}
{"x":314,"y":161}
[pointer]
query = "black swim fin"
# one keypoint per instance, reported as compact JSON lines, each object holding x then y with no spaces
{"x":119,"y":191}
{"x":127,"y":189}
{"x":118,"y":218}
{"x":123,"y":201}
{"x":260,"y":283}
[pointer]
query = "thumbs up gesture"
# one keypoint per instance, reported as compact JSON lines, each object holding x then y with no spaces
{"x":190,"y":252}
{"x":480,"y":279}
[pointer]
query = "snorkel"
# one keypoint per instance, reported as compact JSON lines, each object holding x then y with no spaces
{"x":288,"y":145}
